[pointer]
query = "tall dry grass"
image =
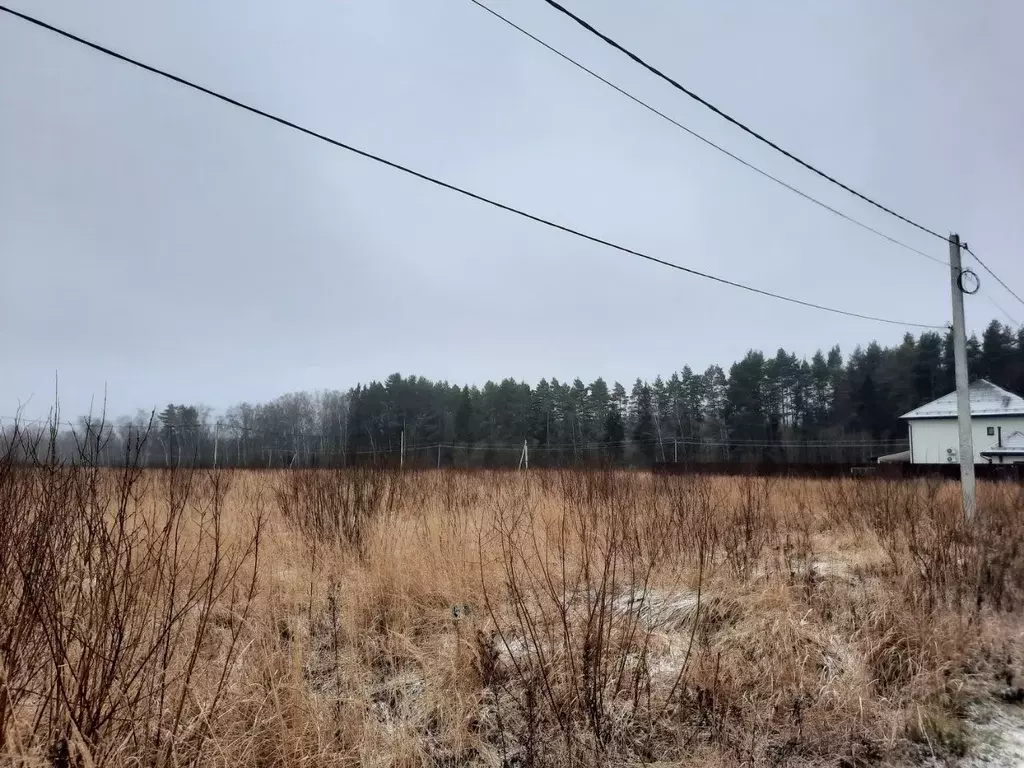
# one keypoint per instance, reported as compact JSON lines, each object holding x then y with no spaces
{"x":368,"y":617}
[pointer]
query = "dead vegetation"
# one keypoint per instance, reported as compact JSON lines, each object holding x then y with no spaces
{"x":368,"y":617}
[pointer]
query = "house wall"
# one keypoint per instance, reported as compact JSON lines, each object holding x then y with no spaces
{"x":930,"y":438}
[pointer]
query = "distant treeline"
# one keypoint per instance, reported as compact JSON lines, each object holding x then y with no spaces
{"x":766,"y":408}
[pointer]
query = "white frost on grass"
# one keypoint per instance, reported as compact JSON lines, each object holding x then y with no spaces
{"x":998,"y":739}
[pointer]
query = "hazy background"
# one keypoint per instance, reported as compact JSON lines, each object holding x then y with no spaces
{"x":169,"y":247}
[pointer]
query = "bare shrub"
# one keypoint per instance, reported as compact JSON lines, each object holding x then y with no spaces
{"x":126,"y":600}
{"x":340,"y":504}
{"x":598,"y":617}
{"x":999,"y":546}
{"x":795,"y":539}
{"x":747,"y":525}
{"x":570,"y":661}
{"x":938,"y":548}
{"x":694,"y":518}
{"x":941,"y":558}
{"x":884,"y":507}
{"x":20,"y":632}
{"x":839,"y":501}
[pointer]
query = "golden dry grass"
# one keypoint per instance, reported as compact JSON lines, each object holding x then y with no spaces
{"x":366,"y":617}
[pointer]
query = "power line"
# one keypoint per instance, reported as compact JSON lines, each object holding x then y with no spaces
{"x":994,"y":275}
{"x":993,"y":302}
{"x":447,"y":185}
{"x":208,"y":430}
{"x":742,"y":126}
{"x":309,"y":439}
{"x":706,"y":140}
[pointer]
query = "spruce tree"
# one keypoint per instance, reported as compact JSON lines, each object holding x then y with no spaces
{"x":614,"y":434}
{"x":645,"y":432}
{"x":464,"y":418}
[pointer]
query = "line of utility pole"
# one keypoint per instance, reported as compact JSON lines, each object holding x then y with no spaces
{"x":963,"y":395}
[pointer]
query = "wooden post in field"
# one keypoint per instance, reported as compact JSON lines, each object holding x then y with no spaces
{"x":438,"y":455}
{"x":401,"y":456}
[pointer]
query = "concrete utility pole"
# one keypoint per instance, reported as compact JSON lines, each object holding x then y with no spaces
{"x":963,"y":397}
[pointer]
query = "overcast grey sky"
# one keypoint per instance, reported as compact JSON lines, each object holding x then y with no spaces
{"x":172,"y":248}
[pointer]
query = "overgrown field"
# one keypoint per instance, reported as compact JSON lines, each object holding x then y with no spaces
{"x":368,"y":617}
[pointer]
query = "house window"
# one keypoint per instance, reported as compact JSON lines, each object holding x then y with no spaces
{"x":990,"y":431}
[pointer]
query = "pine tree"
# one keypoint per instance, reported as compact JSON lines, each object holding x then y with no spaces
{"x":599,"y":401}
{"x":821,"y":391}
{"x":840,"y":402}
{"x":973,"y":356}
{"x":169,"y":423}
{"x":620,"y":399}
{"x":997,"y":351}
{"x":948,"y":364}
{"x":715,"y":387}
{"x":745,"y":395}
{"x":926,"y":375}
{"x":168,"y":418}
{"x":866,"y":406}
{"x":464,"y":432}
{"x":645,"y":431}
{"x":579,"y":408}
{"x":614,"y":434}
{"x":801,"y":399}
{"x":1018,"y":374}
{"x":662,"y":414}
{"x":631,"y":413}
{"x":693,"y":390}
{"x":540,"y":413}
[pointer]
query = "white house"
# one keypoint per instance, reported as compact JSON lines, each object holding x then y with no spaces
{"x":997,"y":426}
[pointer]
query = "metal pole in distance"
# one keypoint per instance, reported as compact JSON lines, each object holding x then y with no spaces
{"x":963,"y":396}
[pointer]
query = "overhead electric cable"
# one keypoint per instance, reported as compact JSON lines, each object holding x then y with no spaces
{"x":707,"y":141}
{"x":994,"y":275}
{"x":446,"y":185}
{"x":742,"y":126}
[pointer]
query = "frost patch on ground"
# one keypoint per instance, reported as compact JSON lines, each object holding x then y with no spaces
{"x":998,"y":739}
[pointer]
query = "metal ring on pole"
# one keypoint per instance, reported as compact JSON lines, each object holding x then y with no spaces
{"x":971,"y":279}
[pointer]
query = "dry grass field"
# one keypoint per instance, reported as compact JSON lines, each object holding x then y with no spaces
{"x":367,"y":617}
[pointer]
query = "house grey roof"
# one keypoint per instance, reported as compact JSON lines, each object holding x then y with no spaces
{"x":986,"y":400}
{"x":1013,"y":445}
